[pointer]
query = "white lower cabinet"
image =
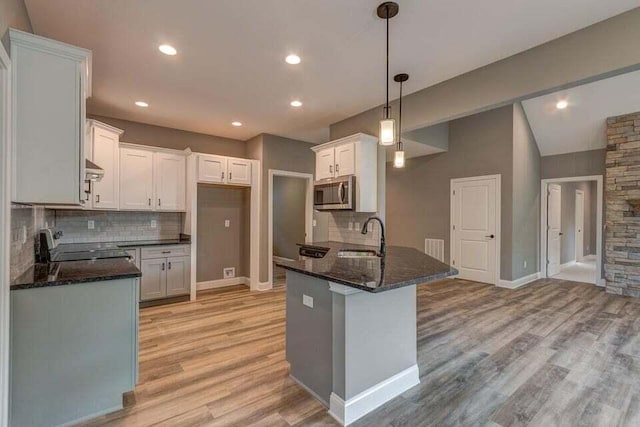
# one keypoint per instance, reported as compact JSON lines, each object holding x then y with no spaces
{"x":166,"y":272}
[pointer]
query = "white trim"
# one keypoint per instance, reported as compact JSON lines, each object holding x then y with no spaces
{"x":155,"y":149}
{"x":498,"y":179}
{"x":514,"y":284}
{"x":363,"y":403}
{"x":575,"y":227}
{"x":281,"y":258}
{"x":222,"y":283}
{"x":191,"y":220}
{"x":544,"y":183}
{"x":262,"y":286}
{"x":256,"y":235}
{"x":343,"y":289}
{"x":5,"y":213}
{"x":567,"y":265}
{"x":308,"y":213}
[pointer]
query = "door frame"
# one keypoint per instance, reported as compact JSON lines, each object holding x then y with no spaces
{"x":544,"y":183}
{"x":498,"y":180}
{"x":5,"y":224}
{"x":308,"y":211}
{"x":575,"y":226}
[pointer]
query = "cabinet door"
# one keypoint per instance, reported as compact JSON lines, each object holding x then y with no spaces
{"x":325,"y":161}
{"x":136,"y":179}
{"x":170,"y":181}
{"x":239,"y":171}
{"x":106,"y":154}
{"x":212,"y":169}
{"x":345,"y":160}
{"x":178,"y":274}
{"x":154,"y":279}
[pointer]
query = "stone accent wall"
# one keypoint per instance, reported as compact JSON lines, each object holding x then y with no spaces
{"x":622,"y":199}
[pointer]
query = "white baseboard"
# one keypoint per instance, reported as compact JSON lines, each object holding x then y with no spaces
{"x":222,"y":283}
{"x":264,"y":286}
{"x":601,"y":282}
{"x":567,"y":265}
{"x":513,"y":284}
{"x":363,"y":403}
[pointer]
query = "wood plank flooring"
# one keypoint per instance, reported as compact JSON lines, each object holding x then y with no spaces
{"x":553,"y":353}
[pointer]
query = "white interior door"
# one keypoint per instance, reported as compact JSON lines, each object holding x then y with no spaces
{"x":554,"y":204}
{"x":475,"y":228}
{"x":579,"y":232}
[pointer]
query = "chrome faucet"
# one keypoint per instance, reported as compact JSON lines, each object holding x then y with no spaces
{"x":383,"y":247}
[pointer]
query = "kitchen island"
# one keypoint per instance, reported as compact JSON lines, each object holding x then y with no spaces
{"x":351,"y":323}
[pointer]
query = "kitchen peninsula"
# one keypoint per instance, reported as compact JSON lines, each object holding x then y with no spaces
{"x":351,"y":323}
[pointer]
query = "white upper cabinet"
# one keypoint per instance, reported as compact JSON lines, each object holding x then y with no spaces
{"x":136,"y":179}
{"x":345,"y":159}
{"x":212,"y":169}
{"x":353,"y":155}
{"x":105,"y":152}
{"x":223,"y":170}
{"x":170,"y":181}
{"x":50,"y":82}
{"x":239,"y":171}
{"x":325,"y":163}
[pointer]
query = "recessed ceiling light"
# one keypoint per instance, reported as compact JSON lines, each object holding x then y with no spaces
{"x":296,"y":103}
{"x":142,"y":104}
{"x":293,"y":59}
{"x":167,"y":49}
{"x":236,"y":124}
{"x":561,"y":105}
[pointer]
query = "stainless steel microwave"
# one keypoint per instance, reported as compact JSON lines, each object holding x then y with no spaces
{"x":335,"y":194}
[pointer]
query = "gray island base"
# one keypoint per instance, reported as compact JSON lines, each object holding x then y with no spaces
{"x":353,"y":350}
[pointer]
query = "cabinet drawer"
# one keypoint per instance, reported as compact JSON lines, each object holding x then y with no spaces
{"x":166,"y":251}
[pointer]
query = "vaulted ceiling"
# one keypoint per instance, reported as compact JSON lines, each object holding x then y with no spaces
{"x":230,"y":62}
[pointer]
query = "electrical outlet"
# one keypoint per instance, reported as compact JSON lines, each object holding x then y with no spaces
{"x":229,"y":272}
{"x":524,"y":264}
{"x":357,"y":226}
{"x":314,"y":223}
{"x":154,"y":223}
{"x":307,"y":300}
{"x":350,"y":225}
{"x":91,"y":224}
{"x":227,"y":223}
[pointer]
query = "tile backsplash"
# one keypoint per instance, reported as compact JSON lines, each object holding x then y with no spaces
{"x":117,"y":226}
{"x":26,"y":221}
{"x":339,"y":231}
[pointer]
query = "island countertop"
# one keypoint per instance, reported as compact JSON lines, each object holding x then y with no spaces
{"x":401,"y":266}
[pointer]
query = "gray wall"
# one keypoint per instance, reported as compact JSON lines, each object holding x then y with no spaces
{"x":584,"y":163}
{"x":279,"y":153}
{"x":158,"y":136}
{"x":418,"y":202}
{"x":526,"y":197}
{"x":219,"y":246}
{"x":289,"y":200}
{"x":13,"y":14}
{"x":568,"y":219}
{"x":574,"y":59}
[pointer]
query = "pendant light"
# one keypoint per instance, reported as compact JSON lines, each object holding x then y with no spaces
{"x":398,"y":160}
{"x":386,"y":11}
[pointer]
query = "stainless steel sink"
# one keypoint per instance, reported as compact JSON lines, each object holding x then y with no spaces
{"x":357,"y":253}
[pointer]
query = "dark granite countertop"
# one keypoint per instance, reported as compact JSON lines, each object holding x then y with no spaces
{"x":400,"y":267}
{"x":75,"y":272}
{"x":78,"y":247}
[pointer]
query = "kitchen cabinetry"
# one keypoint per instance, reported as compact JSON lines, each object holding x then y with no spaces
{"x":170,"y":181}
{"x":166,"y":272}
{"x":50,"y":83}
{"x":353,"y":155}
{"x":224,"y":170}
{"x":104,"y":151}
{"x":136,"y":179}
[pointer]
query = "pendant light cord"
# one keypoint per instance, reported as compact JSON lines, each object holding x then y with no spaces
{"x":387,"y":81}
{"x":400,"y":121}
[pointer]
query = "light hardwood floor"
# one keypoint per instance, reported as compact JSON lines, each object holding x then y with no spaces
{"x":551,"y":353}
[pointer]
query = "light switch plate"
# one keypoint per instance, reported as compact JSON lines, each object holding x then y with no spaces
{"x":91,"y":224}
{"x":227,"y":223}
{"x":154,"y":223}
{"x":315,"y":223}
{"x":307,"y":300}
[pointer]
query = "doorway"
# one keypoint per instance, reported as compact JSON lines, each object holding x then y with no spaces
{"x":290,"y":217}
{"x":475,"y":228}
{"x":571,"y":229}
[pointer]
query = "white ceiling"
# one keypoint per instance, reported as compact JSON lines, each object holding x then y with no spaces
{"x":230,"y":53}
{"x":582,"y":125}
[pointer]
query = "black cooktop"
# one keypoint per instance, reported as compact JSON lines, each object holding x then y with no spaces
{"x":89,"y":255}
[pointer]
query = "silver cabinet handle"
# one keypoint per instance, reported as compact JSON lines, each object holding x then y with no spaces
{"x":230,"y":176}
{"x":163,"y":266}
{"x":166,"y":252}
{"x":169,"y":265}
{"x":337,"y":168}
{"x":222,"y":176}
{"x":149,"y":201}
{"x":341,"y":192}
{"x":159,"y":204}
{"x":97,"y":198}
{"x":330,"y":168}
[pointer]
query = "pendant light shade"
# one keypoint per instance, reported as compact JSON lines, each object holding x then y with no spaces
{"x":398,"y":159}
{"x":387,"y":132}
{"x":386,"y":11}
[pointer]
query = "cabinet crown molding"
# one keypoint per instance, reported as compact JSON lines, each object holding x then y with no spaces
{"x":96,"y":123}
{"x":351,"y":138}
{"x":154,"y":149}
